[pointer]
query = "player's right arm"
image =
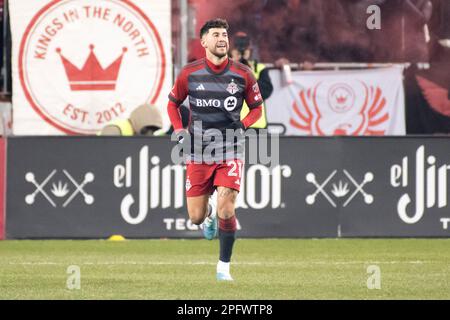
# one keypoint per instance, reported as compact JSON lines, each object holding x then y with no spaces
{"x":177,"y":95}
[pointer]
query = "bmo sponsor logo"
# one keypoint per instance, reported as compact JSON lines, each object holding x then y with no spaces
{"x":163,"y":187}
{"x":208,"y":103}
{"x":77,"y":59}
{"x":230,"y":103}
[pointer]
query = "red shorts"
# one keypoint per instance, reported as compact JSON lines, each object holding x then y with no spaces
{"x":202,"y":179}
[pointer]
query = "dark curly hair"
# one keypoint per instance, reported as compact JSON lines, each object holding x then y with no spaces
{"x":215,"y":23}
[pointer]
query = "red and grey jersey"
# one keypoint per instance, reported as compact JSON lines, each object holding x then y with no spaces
{"x":215,"y":101}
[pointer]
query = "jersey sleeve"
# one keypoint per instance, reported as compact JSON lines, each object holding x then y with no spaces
{"x":252,"y":93}
{"x":179,"y":91}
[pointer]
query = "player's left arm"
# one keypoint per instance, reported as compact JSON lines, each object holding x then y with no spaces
{"x":254,"y":100}
{"x":252,"y":116}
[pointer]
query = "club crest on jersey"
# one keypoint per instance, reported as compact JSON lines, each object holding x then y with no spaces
{"x":188,"y":184}
{"x":232,"y":87}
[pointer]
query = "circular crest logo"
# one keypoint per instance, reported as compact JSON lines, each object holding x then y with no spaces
{"x":83,"y":63}
{"x":341,"y":97}
{"x":230,"y":103}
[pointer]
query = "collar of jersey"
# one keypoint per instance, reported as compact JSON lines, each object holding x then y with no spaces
{"x":225,"y":65}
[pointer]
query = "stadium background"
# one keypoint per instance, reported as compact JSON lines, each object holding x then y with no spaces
{"x":60,"y":181}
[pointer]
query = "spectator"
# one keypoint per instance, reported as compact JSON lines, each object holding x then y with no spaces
{"x":242,"y":51}
{"x":145,"y":120}
{"x":428,"y":91}
{"x":330,"y":31}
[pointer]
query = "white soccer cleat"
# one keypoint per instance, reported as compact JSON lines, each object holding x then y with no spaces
{"x":224,"y":277}
{"x":223,"y":271}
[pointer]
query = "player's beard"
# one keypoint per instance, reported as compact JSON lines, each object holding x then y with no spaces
{"x":218,"y":53}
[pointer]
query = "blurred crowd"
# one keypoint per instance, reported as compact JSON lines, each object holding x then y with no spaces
{"x":333,"y":31}
{"x":311,"y":31}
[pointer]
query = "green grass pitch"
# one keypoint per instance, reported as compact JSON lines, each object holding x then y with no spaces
{"x":262,"y":268}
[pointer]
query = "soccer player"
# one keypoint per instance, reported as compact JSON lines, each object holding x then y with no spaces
{"x":216,"y":87}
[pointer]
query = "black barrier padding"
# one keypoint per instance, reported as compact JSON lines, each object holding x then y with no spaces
{"x":79,"y":187}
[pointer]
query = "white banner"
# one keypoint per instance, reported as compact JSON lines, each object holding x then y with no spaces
{"x":352,"y":103}
{"x":78,"y":64}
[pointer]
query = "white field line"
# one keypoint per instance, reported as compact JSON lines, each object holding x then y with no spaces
{"x":243,"y":263}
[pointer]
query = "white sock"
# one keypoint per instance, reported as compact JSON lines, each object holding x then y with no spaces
{"x":223,"y":267}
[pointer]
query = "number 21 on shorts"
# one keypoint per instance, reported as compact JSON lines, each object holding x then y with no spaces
{"x":235,"y":168}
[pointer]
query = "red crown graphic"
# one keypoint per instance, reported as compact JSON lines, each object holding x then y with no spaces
{"x":341,"y":99}
{"x":92,"y":76}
